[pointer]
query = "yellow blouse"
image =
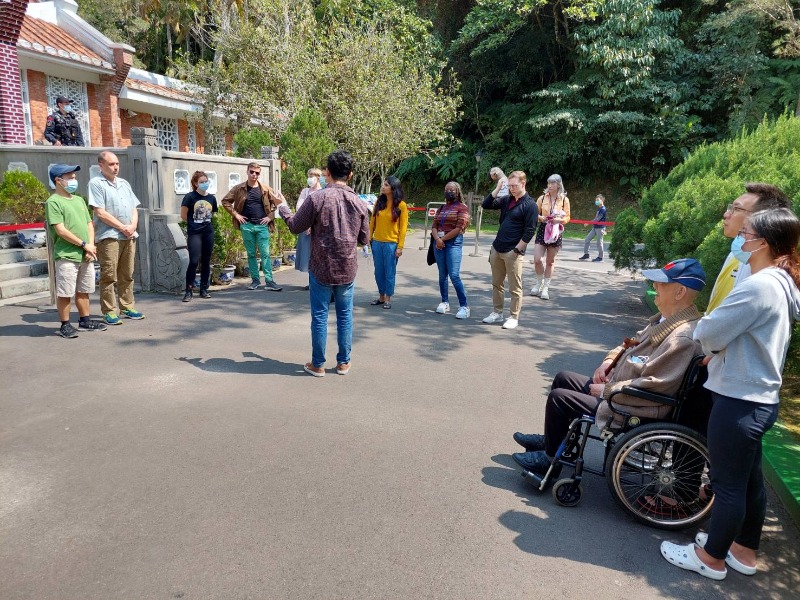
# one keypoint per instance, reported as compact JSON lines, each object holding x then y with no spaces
{"x":383,"y":229}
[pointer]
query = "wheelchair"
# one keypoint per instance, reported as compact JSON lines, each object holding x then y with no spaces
{"x":656,"y":469}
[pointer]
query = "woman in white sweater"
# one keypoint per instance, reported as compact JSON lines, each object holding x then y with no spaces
{"x":746,"y":338}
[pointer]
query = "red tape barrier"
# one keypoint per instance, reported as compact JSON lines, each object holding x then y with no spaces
{"x":22,"y":226}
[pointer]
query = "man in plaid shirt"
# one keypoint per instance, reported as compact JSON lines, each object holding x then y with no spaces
{"x":339,"y":221}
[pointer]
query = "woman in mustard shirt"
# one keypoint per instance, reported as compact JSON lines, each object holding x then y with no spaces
{"x":387,"y":228}
{"x":554,"y":210}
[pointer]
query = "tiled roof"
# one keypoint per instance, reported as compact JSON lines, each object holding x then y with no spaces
{"x":159,"y":90}
{"x":46,"y":38}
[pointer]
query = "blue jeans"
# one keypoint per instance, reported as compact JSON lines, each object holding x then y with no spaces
{"x":449,"y":263}
{"x":320,"y":302}
{"x":735,"y":429}
{"x":385,"y":266}
{"x":257,"y":237}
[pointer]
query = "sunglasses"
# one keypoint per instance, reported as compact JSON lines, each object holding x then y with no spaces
{"x":254,"y":172}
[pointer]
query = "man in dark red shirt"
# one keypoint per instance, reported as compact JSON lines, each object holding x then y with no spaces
{"x":339,"y":221}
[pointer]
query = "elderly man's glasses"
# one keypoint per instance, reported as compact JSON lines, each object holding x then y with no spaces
{"x":744,"y":233}
{"x":732,"y":208}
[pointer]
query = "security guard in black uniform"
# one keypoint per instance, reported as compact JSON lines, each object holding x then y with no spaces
{"x":63,"y":128}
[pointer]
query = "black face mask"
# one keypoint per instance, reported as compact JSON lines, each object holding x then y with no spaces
{"x":450,"y":195}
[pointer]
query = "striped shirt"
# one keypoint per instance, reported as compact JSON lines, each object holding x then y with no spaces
{"x":451,"y":216}
{"x":339,"y":221}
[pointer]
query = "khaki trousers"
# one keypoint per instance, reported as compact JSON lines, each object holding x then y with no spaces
{"x":116,"y":268}
{"x":506,"y":264}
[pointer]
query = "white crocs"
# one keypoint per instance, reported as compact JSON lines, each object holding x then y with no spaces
{"x":686,"y":558}
{"x":702,"y":537}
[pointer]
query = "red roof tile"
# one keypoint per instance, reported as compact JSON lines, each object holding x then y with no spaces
{"x":158,"y":90}
{"x":46,"y":38}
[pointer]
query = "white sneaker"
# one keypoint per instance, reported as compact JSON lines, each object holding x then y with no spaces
{"x":535,"y":290}
{"x":493,"y":318}
{"x":545,"y":295}
{"x":510,"y":323}
{"x":443,"y":308}
{"x":463,"y":313}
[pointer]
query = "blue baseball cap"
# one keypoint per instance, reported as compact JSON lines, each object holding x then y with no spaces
{"x":59,"y":170}
{"x":686,"y":271}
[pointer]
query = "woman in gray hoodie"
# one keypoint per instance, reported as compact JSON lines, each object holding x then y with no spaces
{"x":746,"y":338}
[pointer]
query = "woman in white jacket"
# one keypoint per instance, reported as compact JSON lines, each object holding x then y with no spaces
{"x":747,"y":338}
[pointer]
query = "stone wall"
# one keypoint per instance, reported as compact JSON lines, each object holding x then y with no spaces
{"x":159,"y":179}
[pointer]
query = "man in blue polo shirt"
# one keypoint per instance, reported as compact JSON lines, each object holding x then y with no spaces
{"x":115,"y":222}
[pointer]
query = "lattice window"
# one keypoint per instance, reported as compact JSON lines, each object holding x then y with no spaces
{"x":167,"y":130}
{"x":75,"y":91}
{"x":192,"y":137}
{"x":26,"y":106}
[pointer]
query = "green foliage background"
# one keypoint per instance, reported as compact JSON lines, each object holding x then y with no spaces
{"x":22,"y":197}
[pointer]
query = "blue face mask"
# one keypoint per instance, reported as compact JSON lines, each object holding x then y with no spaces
{"x":203,"y":187}
{"x":597,"y":203}
{"x":322,"y":180}
{"x":71,"y":186}
{"x":736,"y":249}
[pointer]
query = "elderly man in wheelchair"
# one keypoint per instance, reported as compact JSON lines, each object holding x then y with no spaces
{"x":654,"y":471}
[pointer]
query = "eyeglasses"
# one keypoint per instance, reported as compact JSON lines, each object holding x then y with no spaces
{"x":254,"y":172}
{"x":732,"y":209}
{"x":744,"y":234}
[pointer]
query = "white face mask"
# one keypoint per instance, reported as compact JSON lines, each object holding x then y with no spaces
{"x":311,"y":181}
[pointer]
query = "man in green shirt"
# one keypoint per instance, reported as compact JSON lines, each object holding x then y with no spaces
{"x":74,"y":252}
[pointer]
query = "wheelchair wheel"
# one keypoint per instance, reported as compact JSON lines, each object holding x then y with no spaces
{"x":567,"y":493}
{"x":659,"y":474}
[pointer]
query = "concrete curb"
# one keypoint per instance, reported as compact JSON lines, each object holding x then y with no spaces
{"x":781,"y":457}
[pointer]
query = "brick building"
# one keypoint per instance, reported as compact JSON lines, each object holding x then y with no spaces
{"x":47,"y":50}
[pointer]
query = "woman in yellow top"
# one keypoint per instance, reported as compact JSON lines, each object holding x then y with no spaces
{"x":387,"y":228}
{"x":553,"y":210}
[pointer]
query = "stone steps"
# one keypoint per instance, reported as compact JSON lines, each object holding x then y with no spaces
{"x":23,"y":286}
{"x":23,"y":272}
{"x":14,"y":255}
{"x":22,"y":269}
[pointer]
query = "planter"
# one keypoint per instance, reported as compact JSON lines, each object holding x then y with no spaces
{"x":226,"y":275}
{"x":289,"y":256}
{"x":97,"y":273}
{"x":277,"y":261}
{"x":32,"y":238}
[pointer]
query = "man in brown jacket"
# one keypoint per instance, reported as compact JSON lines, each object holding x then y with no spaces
{"x":656,"y":361}
{"x":252,"y":207}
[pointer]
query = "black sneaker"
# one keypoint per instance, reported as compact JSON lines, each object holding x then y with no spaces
{"x":532,"y":442}
{"x":204,"y":294}
{"x":271,"y":286}
{"x":535,"y":462}
{"x":89,"y":325}
{"x":67,"y":331}
{"x":584,"y":257}
{"x":188,"y":295}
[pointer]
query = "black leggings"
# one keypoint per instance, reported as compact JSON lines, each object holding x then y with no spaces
{"x":200,"y":246}
{"x":735,"y":429}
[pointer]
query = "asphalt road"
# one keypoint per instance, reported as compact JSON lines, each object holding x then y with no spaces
{"x":188,"y":455}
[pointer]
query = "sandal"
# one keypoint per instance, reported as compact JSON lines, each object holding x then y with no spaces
{"x":702,"y":537}
{"x":686,"y":558}
{"x":377,"y":302}
{"x":387,"y":305}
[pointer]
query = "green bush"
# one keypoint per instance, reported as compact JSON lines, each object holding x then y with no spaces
{"x":248,"y":142}
{"x":228,"y":245}
{"x":22,"y":197}
{"x":282,"y":239}
{"x":305,"y":145}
